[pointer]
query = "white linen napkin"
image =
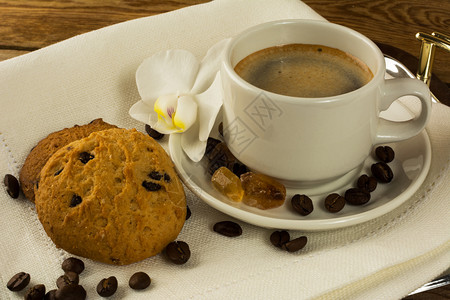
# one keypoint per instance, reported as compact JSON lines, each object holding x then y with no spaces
{"x":93,"y":75}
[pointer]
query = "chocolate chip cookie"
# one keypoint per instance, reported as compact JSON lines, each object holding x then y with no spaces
{"x":29,"y":174}
{"x":112,"y":197}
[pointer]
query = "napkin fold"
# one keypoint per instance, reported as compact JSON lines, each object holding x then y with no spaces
{"x":93,"y":75}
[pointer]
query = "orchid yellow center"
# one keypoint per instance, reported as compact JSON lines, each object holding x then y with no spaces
{"x":175,"y":113}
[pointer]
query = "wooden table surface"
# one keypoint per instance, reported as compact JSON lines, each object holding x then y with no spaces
{"x":28,"y":25}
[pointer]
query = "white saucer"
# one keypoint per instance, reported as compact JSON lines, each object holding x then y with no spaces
{"x":410,"y":167}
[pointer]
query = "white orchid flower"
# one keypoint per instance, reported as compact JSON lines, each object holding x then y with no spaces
{"x":180,"y":95}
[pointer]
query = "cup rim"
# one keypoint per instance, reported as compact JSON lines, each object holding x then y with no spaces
{"x":289,"y":99}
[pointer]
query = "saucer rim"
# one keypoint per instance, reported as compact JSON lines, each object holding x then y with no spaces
{"x":303,"y":224}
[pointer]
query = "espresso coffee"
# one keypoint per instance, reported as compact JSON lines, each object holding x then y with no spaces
{"x":304,"y":70}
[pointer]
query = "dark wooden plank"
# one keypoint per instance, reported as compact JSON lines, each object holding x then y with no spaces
{"x":7,"y":54}
{"x":393,"y":22}
{"x":34,"y":24}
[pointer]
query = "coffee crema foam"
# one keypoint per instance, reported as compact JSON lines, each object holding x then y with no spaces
{"x":304,"y":70}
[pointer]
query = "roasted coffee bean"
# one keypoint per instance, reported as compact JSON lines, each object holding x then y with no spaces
{"x":221,"y":128}
{"x":155,"y":175}
{"x":75,"y":200}
{"x":279,"y":238}
{"x":214,"y":165}
{"x":153,"y":133}
{"x":239,"y":169}
{"x":302,"y":204}
{"x":12,"y":185}
{"x":68,"y":278}
{"x":367,"y":183}
{"x":71,"y":292}
{"x":139,"y":281}
{"x":385,"y":153}
{"x":73,"y":264}
{"x":151,"y":186}
{"x":18,"y":282}
{"x":107,"y":286}
{"x":51,"y":295}
{"x":188,"y":213}
{"x":85,"y":157}
{"x":228,"y":228}
{"x":295,"y":244}
{"x":221,"y":156}
{"x":37,"y":292}
{"x":211,"y":143}
{"x":382,"y":172}
{"x":357,"y":196}
{"x":178,"y":252}
{"x":334,"y":203}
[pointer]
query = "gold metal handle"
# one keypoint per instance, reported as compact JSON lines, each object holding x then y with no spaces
{"x":429,"y":44}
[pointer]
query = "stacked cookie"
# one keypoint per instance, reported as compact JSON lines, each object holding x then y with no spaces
{"x":35,"y":161}
{"x":112,"y":196}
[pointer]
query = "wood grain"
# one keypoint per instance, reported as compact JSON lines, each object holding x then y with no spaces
{"x":28,"y":25}
{"x":393,"y":22}
{"x":33,"y":24}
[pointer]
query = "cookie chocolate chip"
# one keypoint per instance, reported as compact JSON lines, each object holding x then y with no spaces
{"x":75,"y":200}
{"x":85,"y":157}
{"x":151,"y":186}
{"x":119,"y":173}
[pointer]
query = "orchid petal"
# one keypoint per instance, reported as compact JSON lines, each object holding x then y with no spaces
{"x":166,"y":72}
{"x":209,"y":66}
{"x":163,"y":127}
{"x":141,"y":111}
{"x":186,"y":113}
{"x":209,"y":104}
{"x":165,"y":107}
{"x":192,"y":146}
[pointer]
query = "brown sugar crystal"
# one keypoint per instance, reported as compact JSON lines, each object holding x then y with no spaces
{"x":262,"y":191}
{"x":228,"y":184}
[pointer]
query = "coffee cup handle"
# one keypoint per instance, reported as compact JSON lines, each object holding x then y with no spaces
{"x":390,"y":131}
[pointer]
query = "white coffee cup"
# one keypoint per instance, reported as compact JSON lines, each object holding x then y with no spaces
{"x":304,"y":141}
